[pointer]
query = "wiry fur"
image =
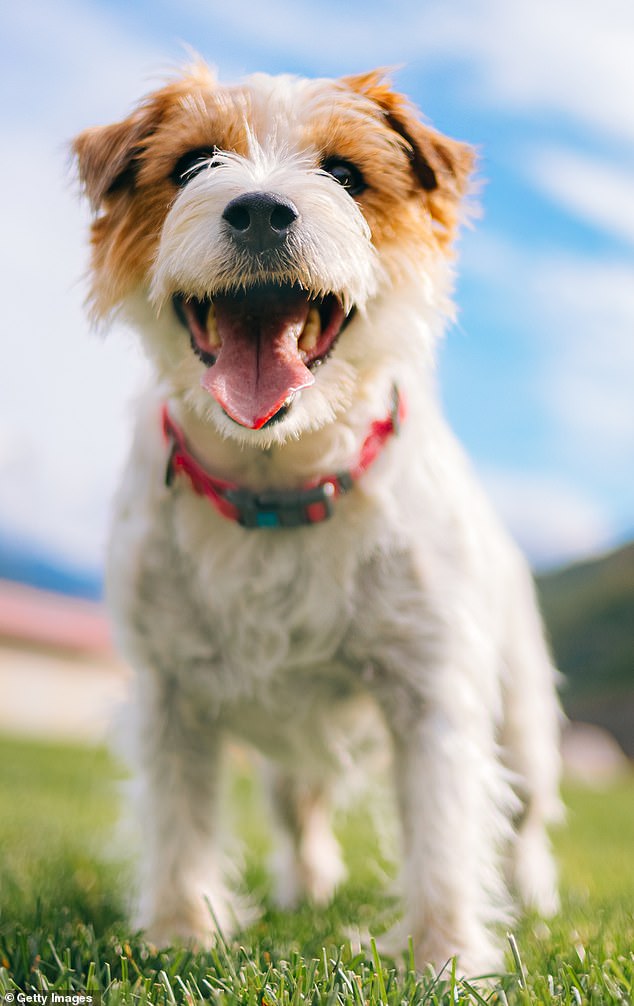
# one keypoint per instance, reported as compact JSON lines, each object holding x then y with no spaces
{"x":410,"y":602}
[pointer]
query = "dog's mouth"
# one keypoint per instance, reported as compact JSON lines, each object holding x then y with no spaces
{"x":260,"y":345}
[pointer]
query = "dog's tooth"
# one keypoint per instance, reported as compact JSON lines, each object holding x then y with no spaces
{"x":212,"y":328}
{"x":311,"y":332}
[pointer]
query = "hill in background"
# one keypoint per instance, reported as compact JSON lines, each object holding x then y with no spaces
{"x":589,"y":614}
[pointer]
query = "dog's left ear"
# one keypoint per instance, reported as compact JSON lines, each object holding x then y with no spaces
{"x":442,"y":166}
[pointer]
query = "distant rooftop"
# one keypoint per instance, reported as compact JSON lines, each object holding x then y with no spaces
{"x":44,"y":619}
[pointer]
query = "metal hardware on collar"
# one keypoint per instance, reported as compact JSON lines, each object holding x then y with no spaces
{"x":170,"y":470}
{"x":283,"y":509}
{"x":287,"y":508}
{"x":397,"y":410}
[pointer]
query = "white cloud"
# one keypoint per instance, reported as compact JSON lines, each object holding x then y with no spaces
{"x":63,"y":391}
{"x":581,"y":312}
{"x":551,"y":521}
{"x":589,"y":379}
{"x":72,"y":64}
{"x":573,"y":56}
{"x":64,"y":426}
{"x":336,"y":40}
{"x":580,"y":316}
{"x":595,"y":190}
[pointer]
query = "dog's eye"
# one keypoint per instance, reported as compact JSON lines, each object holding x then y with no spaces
{"x":348,"y":176}
{"x":191,"y":163}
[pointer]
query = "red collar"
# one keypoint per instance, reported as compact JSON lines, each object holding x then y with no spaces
{"x":310,"y":504}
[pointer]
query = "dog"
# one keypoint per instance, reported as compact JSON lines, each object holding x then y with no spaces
{"x":299,"y":544}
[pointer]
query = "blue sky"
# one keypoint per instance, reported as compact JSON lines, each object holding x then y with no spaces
{"x":537,"y":375}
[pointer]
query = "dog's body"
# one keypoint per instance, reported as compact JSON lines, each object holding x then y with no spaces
{"x":409,"y":600}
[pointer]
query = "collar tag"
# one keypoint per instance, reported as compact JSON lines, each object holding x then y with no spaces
{"x":283,"y":509}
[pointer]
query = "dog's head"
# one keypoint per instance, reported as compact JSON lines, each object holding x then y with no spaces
{"x":253,"y":230}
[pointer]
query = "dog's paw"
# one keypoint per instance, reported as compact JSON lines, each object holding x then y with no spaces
{"x":198,"y":924}
{"x":434,"y":951}
{"x":321,"y":888}
{"x":314,"y":873}
{"x":535,"y":873}
{"x":322,"y":874}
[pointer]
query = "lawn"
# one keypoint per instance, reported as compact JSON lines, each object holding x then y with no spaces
{"x":65,"y":874}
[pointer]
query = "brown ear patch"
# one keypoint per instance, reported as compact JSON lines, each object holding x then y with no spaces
{"x":106,"y":155}
{"x":441,"y":166}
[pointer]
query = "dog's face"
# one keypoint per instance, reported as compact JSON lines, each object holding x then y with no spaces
{"x":251,"y":231}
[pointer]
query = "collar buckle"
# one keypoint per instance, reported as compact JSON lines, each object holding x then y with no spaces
{"x":396,"y":410}
{"x":283,"y":508}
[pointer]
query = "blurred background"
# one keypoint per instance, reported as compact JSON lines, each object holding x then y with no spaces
{"x":537,"y":375}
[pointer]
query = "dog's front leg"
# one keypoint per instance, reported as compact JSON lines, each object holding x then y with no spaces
{"x":449,"y":793}
{"x":182,"y":891}
{"x":307,"y":861}
{"x":435,"y":675}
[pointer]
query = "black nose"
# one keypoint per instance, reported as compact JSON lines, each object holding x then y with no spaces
{"x":260,"y":220}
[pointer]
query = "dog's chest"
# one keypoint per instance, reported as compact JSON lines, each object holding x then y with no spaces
{"x":271,"y":605}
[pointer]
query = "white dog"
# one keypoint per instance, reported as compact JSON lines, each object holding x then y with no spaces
{"x":298,"y":536}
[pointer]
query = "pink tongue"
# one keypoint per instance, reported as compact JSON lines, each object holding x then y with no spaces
{"x":258,"y":365}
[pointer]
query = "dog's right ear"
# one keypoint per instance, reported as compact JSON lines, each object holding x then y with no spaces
{"x":107,"y":156}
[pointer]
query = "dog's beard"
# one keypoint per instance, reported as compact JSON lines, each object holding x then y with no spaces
{"x":260,"y":345}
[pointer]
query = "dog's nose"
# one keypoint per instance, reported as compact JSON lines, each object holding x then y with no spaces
{"x":260,"y":220}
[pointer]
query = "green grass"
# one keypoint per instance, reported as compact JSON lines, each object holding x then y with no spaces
{"x":63,"y":895}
